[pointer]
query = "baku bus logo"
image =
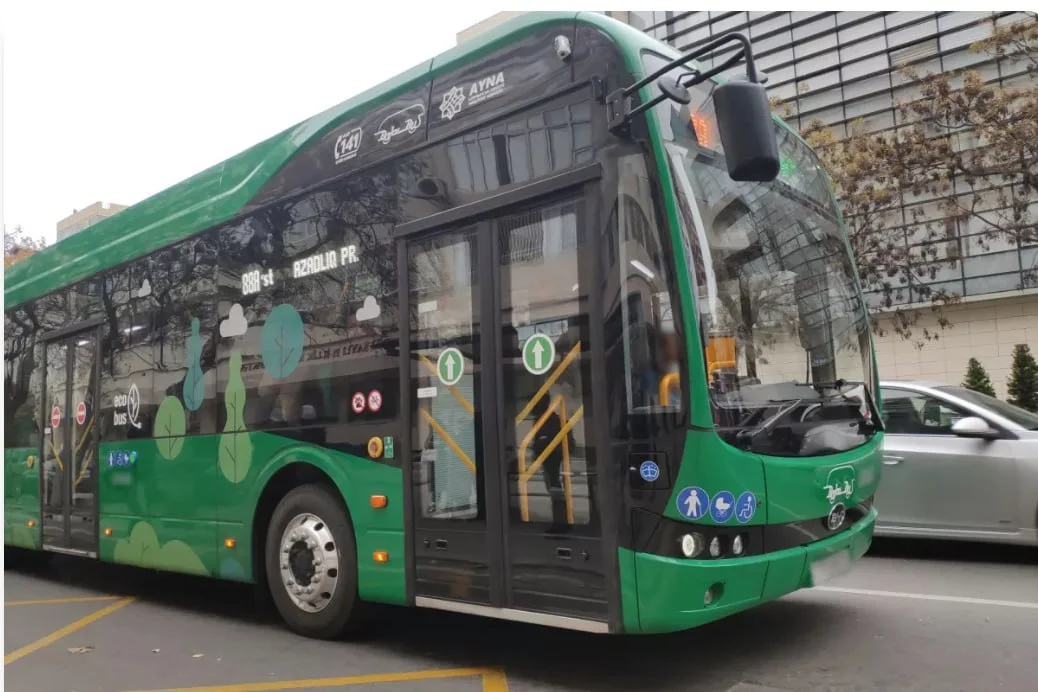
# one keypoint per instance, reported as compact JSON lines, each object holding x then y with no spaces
{"x":406,"y":121}
{"x":840,"y":483}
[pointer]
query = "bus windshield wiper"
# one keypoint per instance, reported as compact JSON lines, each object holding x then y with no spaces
{"x":746,"y":436}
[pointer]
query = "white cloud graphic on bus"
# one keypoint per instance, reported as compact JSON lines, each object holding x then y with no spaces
{"x":235,"y":324}
{"x":369,"y":311}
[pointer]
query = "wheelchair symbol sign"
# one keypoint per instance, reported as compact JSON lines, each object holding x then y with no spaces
{"x":745,"y":507}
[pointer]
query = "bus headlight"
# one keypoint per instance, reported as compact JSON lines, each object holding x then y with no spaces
{"x":737,"y":545}
{"x":715,"y":546}
{"x":691,"y":544}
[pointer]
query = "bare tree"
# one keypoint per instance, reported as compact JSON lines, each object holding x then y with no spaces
{"x":966,"y":150}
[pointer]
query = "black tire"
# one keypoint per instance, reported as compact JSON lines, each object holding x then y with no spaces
{"x":344,"y":611}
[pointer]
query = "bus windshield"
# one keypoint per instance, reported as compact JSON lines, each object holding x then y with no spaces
{"x":783,"y":324}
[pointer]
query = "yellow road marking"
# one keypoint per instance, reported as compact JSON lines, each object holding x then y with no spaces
{"x":66,"y":630}
{"x":493,"y":681}
{"x":55,"y":601}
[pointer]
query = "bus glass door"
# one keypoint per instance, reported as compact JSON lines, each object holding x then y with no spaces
{"x":554,"y":558}
{"x":448,"y":455}
{"x":501,"y":452}
{"x":69,"y":468}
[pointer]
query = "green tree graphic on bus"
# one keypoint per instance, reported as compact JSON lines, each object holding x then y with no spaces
{"x":235,"y":445}
{"x":194,"y":380}
{"x":281,"y":344}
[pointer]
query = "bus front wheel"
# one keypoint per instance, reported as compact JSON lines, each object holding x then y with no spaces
{"x":311,"y":563}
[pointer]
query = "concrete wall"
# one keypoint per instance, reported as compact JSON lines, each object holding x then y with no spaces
{"x":984,"y":329}
{"x":81,"y":218}
{"x":485,"y":25}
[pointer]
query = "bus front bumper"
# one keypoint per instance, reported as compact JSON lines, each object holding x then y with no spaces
{"x":672,"y":594}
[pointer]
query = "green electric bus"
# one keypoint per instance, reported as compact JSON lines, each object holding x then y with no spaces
{"x":559,"y":327}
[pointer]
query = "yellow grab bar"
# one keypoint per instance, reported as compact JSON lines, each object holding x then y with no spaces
{"x":549,"y":382}
{"x":457,"y":395}
{"x":447,"y":438}
{"x":561,"y":437}
{"x":83,"y":469}
{"x":54,"y":451}
{"x":84,"y":436}
{"x":669,"y":381}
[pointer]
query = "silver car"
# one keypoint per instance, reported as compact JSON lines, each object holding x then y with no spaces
{"x":957,"y":464}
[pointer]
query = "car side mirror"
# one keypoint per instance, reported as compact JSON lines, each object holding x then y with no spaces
{"x":972,"y":426}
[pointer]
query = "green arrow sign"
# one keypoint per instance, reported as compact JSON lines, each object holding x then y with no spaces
{"x":538,"y":354}
{"x":450,"y":366}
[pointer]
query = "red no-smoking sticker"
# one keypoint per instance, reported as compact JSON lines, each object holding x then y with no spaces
{"x":81,"y":412}
{"x":55,"y":417}
{"x":375,"y":400}
{"x":358,"y":402}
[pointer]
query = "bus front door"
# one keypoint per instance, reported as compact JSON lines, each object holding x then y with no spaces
{"x":502,"y":457}
{"x":70,"y":436}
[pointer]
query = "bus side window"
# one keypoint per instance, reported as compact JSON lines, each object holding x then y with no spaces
{"x":651,"y":341}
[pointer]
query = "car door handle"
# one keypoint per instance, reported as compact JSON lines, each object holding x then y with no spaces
{"x":892,"y":461}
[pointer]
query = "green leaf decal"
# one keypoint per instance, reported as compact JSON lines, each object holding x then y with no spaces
{"x":281,"y":344}
{"x":235,"y":454}
{"x":194,"y":380}
{"x":170,"y":427}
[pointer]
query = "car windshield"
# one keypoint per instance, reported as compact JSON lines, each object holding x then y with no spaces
{"x":1021,"y":417}
{"x":783,"y":323}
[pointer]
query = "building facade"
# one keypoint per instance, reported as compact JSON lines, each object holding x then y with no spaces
{"x":81,"y":218}
{"x":843,"y":68}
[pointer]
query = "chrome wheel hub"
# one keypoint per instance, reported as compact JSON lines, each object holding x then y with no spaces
{"x":309,"y":561}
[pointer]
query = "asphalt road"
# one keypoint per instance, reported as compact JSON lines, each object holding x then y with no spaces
{"x":911,"y":616}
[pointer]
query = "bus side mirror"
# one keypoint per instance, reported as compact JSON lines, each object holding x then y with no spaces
{"x":747,"y":131}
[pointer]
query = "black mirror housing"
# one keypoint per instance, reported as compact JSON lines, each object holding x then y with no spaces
{"x":747,"y":131}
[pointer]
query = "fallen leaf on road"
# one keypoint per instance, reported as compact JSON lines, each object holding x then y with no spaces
{"x":154,"y":651}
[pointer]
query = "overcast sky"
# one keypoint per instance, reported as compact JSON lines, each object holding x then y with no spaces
{"x":115,"y":101}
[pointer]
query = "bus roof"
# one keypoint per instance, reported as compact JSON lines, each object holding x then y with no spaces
{"x":220,"y":192}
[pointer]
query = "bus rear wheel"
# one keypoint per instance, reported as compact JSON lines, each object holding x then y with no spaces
{"x":311,"y":563}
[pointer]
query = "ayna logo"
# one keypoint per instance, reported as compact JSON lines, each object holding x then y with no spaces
{"x":473,"y":94}
{"x":452,"y":102}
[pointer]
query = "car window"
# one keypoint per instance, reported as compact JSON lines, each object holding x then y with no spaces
{"x":1016,"y":414}
{"x":912,"y":413}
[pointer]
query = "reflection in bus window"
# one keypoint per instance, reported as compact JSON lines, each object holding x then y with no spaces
{"x":446,"y":410}
{"x":651,"y":339}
